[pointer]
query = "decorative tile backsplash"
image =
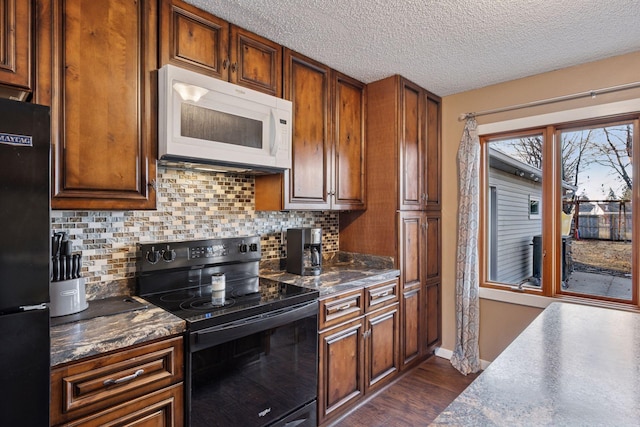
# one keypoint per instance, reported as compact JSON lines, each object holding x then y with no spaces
{"x":190,"y":205}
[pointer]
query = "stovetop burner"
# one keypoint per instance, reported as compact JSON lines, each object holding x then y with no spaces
{"x":205,"y":304}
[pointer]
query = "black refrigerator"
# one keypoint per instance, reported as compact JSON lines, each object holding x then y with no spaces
{"x":25,"y":246}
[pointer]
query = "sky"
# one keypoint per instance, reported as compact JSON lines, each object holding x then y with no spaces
{"x":594,"y":179}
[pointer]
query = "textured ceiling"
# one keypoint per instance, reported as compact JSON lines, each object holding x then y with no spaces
{"x":446,"y":46}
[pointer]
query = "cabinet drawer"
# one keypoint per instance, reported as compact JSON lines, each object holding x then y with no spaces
{"x":381,"y":295}
{"x":161,"y":408}
{"x":93,"y":385}
{"x":340,"y":308}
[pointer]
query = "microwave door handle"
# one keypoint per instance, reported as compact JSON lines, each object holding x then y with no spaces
{"x":275,"y":137}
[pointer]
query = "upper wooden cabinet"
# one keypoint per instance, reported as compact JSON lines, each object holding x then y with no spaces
{"x":328,"y":141}
{"x":96,"y":69}
{"x":348,"y":156}
{"x":411,"y":147}
{"x":194,"y":39}
{"x":433,"y":161}
{"x":419,"y":148}
{"x":15,"y":47}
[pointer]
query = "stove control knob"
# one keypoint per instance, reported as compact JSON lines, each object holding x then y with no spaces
{"x":253,"y":247}
{"x":168,"y":255}
{"x":243,"y":248}
{"x":153,"y":256}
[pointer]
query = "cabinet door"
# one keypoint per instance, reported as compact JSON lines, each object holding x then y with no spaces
{"x":194,"y":39}
{"x":348,"y":156}
{"x":382,"y":346}
{"x":411,"y":240}
{"x":433,"y":315}
{"x":341,"y":379}
{"x":307,"y":87}
{"x":411,"y":146}
{"x":433,"y":247}
{"x":256,"y":62}
{"x":15,"y":43}
{"x":95,"y":64}
{"x":433,"y":159}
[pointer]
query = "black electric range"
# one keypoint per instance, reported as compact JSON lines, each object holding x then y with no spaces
{"x":176,"y":276}
{"x":261,"y":341}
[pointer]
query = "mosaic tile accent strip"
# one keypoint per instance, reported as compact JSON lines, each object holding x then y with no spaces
{"x":190,"y":205}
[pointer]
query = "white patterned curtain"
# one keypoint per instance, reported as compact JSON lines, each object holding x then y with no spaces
{"x":466,"y":355}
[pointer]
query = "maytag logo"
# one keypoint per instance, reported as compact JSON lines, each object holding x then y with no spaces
{"x":20,"y":140}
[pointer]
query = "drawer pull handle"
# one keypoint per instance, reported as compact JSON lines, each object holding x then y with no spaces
{"x":133,"y":376}
{"x":345,"y":307}
{"x":381,"y":294}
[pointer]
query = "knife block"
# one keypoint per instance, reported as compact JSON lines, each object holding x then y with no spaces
{"x":67,"y":297}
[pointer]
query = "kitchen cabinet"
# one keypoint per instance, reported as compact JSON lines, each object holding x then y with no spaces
{"x":328,"y":142}
{"x":140,"y":385}
{"x":433,"y":303}
{"x":358,"y":346}
{"x":194,"y":39}
{"x":96,"y":70}
{"x":16,"y":48}
{"x":419,"y":148}
{"x":433,"y":194}
{"x":403,"y":213}
{"x":412,"y":240}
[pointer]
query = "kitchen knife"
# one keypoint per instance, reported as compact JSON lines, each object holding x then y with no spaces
{"x":66,"y":245}
{"x":56,"y":269}
{"x":69,"y":265}
{"x":75,"y":270}
{"x":63,"y":267}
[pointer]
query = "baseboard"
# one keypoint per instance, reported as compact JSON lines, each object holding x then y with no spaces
{"x":446,"y":354}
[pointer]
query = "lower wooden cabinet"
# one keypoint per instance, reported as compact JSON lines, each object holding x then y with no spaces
{"x":161,"y":408}
{"x":361,"y":353}
{"x":139,"y":386}
{"x":381,"y":346}
{"x":341,"y":381}
{"x":411,"y":326}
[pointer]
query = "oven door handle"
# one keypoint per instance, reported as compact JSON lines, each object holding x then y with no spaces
{"x":244,"y":327}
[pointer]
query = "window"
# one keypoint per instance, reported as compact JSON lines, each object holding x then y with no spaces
{"x":534,"y":207}
{"x":557,"y":214}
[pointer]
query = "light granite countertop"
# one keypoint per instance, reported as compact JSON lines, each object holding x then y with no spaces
{"x":77,"y":340}
{"x":573,"y":365}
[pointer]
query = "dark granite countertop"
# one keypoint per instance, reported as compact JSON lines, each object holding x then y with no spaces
{"x":341,"y":272}
{"x":574,"y":365}
{"x":77,"y":340}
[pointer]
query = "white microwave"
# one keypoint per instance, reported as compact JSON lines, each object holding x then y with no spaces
{"x":206,"y":121}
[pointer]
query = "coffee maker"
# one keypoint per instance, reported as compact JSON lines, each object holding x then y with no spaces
{"x":304,"y":251}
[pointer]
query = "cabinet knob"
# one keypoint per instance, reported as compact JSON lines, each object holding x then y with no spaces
{"x":225,"y":63}
{"x":234,"y":67}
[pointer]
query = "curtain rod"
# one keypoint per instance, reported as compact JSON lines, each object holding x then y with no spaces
{"x":591,"y":93}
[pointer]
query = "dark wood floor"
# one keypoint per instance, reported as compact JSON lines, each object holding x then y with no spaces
{"x":415,"y":399}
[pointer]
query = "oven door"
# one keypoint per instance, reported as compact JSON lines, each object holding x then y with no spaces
{"x":255,"y":372}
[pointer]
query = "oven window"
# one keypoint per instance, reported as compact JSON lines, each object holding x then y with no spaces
{"x":211,"y":125}
{"x":255,"y":380}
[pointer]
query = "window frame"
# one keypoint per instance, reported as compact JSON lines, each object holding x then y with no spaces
{"x":552,"y":203}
